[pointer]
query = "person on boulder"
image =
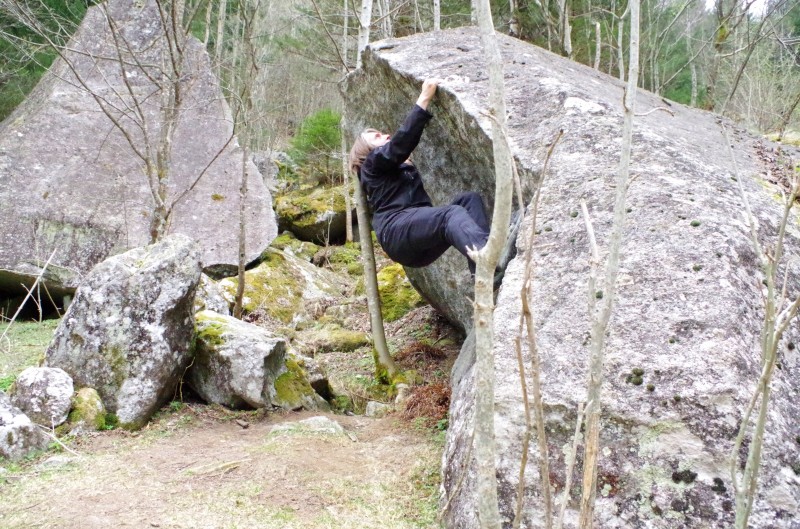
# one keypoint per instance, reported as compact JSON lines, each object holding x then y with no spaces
{"x":411,"y":230}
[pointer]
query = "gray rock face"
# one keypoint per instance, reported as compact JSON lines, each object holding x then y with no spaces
{"x":689,"y":298}
{"x":128,"y":332}
{"x":70,"y":181}
{"x":44,"y":394}
{"x":18,"y":435}
{"x":210,"y":296}
{"x":236,"y":363}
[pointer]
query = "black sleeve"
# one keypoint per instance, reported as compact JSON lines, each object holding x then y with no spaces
{"x":405,"y":140}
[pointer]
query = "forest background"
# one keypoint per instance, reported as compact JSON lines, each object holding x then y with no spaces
{"x":740,"y":58}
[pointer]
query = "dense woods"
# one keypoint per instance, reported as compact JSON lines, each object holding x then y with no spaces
{"x":736,"y":57}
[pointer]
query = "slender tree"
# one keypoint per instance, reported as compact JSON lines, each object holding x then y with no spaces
{"x":601,"y":317}
{"x":486,"y":260}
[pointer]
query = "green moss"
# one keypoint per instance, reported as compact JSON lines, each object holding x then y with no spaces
{"x":217,"y":197}
{"x":87,"y":408}
{"x":274,"y":287}
{"x":695,"y":223}
{"x":333,"y":338}
{"x":397,"y":294}
{"x":287,"y":241}
{"x":6,"y":382}
{"x":210,"y":328}
{"x":303,"y":207}
{"x":345,"y":258}
{"x":292,"y":387}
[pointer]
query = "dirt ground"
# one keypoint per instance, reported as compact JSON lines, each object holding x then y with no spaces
{"x":198,"y":467}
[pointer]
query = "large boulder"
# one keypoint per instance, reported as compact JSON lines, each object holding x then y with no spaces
{"x":44,"y":394}
{"x":70,"y":181}
{"x":18,"y":435}
{"x":128,"y":333}
{"x":689,"y":307}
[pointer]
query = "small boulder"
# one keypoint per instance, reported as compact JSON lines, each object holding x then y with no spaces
{"x":210,"y":296}
{"x":317,"y":214}
{"x":293,"y":391}
{"x":88,"y":413}
{"x":235,"y":362}
{"x":19,"y":436}
{"x":377,"y":409}
{"x":313,"y":425}
{"x":128,"y":332}
{"x":331,"y":338}
{"x":44,"y":394}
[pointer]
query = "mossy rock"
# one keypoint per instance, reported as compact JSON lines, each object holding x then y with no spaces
{"x":331,"y":338}
{"x":293,"y":391}
{"x":284,"y":288}
{"x":316,"y":214}
{"x":345,"y":258}
{"x":88,"y":413}
{"x":397,"y":295}
{"x":287,"y":242}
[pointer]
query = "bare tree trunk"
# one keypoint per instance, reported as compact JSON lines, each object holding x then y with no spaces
{"x":564,"y":28}
{"x":238,"y":304}
{"x":221,"y":16}
{"x":486,"y":261}
{"x":385,"y":368}
{"x":345,"y":33}
{"x":620,"y":50}
{"x":437,"y":15}
{"x":348,"y":207}
{"x":245,"y":68}
{"x":207,"y":31}
{"x":364,"y":21}
{"x":597,"y":45}
{"x":600,"y":319}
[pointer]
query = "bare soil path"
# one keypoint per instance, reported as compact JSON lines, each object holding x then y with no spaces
{"x":198,"y":467}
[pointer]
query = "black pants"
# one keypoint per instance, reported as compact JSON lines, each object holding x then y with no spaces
{"x":416,"y":237}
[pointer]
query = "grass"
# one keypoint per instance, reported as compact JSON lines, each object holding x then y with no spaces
{"x":23,"y":346}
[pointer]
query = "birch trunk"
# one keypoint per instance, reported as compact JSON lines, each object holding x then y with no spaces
{"x":437,"y":15}
{"x":601,"y":319}
{"x":486,"y":261}
{"x":364,"y":22}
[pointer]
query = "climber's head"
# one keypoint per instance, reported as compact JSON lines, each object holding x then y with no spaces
{"x":367,"y":141}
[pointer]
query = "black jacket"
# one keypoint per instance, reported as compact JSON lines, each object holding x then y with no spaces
{"x":391,"y":184}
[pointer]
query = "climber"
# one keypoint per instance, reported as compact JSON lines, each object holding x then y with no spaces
{"x":410,"y":229}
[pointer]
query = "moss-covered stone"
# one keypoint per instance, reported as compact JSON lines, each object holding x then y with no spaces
{"x":345,"y":258}
{"x":397,"y":295}
{"x":293,"y":390}
{"x":282,"y":287}
{"x":287,"y":242}
{"x":210,"y":327}
{"x":313,"y":214}
{"x":88,"y":412}
{"x":332,"y":338}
